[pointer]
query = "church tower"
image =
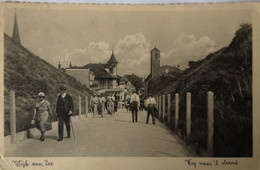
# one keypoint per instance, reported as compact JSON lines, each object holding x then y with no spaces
{"x":155,"y":60}
{"x":16,"y":36}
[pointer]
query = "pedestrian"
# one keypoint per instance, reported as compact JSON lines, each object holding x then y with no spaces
{"x":64,"y":110}
{"x":134,"y":104}
{"x":94,"y":105}
{"x":99,"y":106}
{"x":103,"y":102}
{"x":115,"y":103}
{"x":42,"y":117}
{"x":110,"y":105}
{"x":141,"y":103}
{"x":127,"y":102}
{"x":150,"y":105}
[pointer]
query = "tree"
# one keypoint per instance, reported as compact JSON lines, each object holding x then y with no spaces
{"x":135,"y":81}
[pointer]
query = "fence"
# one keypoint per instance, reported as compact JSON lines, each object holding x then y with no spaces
{"x":163,"y":116}
{"x":164,"y":110}
{"x":13,"y":115}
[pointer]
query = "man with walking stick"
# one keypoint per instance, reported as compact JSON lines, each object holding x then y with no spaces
{"x":64,"y":110}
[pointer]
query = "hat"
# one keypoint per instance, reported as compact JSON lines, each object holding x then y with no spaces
{"x":41,"y":94}
{"x":63,"y":87}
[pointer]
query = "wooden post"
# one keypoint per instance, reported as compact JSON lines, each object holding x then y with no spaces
{"x":79,"y":106}
{"x":163,"y":112}
{"x":86,"y":98}
{"x":188,"y":114}
{"x":176,"y":112}
{"x":12,"y":117}
{"x":160,"y":106}
{"x":157,"y":102}
{"x":210,"y":123}
{"x":169,"y":110}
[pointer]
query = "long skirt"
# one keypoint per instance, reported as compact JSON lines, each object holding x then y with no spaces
{"x":110,"y":107}
{"x":43,"y":121}
{"x":99,"y":108}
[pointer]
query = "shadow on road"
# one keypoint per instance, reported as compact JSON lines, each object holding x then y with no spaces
{"x":167,"y":154}
{"x":171,"y":141}
{"x":46,"y":137}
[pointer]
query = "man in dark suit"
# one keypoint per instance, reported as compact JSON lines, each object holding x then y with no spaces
{"x":64,"y":110}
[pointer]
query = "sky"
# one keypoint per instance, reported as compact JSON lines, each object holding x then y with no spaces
{"x":89,"y":36}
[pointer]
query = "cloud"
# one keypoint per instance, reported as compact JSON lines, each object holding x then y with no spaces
{"x":96,"y":52}
{"x":133,"y":53}
{"x":188,"y":48}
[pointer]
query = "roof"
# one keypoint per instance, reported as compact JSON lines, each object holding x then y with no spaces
{"x":95,"y":66}
{"x":155,"y":49}
{"x":99,"y":71}
{"x":112,"y":59}
{"x":162,"y":69}
{"x":123,"y":79}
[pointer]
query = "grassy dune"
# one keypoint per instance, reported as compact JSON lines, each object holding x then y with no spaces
{"x":27,"y":75}
{"x":227,"y":73}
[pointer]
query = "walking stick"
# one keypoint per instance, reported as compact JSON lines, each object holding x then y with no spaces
{"x":72,"y":129}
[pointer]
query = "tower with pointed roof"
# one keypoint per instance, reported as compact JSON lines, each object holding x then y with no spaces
{"x":16,"y":35}
{"x":112,"y":64}
{"x":155,"y":60}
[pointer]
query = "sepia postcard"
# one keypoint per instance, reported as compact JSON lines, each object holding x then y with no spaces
{"x":129,"y":86}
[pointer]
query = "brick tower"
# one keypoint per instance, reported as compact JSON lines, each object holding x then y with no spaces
{"x":155,"y":60}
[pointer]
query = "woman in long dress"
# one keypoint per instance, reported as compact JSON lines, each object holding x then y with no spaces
{"x":42,"y":115}
{"x":110,"y":105}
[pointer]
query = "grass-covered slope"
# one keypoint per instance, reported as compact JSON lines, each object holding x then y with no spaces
{"x":227,"y":73}
{"x":27,"y":75}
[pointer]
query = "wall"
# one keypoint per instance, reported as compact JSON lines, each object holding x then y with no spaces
{"x":82,"y":75}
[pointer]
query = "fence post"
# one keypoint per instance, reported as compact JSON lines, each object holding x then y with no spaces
{"x":160,"y":107}
{"x":79,"y":106}
{"x":12,"y":117}
{"x":163,"y":112}
{"x":157,"y":102}
{"x":86,"y":98}
{"x":169,"y":110}
{"x":176,"y":112}
{"x":188,"y":114}
{"x":210,"y":123}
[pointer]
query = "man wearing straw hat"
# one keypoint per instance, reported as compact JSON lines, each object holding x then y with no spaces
{"x":64,"y":110}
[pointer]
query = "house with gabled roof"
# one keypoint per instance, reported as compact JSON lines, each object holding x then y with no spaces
{"x":101,"y":77}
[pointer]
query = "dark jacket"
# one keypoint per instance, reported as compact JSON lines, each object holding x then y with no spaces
{"x":64,"y":105}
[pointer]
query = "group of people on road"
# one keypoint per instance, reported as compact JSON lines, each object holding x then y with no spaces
{"x":43,"y":115}
{"x":100,"y":103}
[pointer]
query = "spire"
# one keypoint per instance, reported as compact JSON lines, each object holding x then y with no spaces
{"x":112,"y":60}
{"x":16,"y":36}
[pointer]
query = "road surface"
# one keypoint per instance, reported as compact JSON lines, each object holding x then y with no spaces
{"x":110,"y":136}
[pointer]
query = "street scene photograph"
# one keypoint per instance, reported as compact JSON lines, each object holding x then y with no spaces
{"x":128,"y":82}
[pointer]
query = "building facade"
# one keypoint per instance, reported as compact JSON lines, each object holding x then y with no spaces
{"x":101,"y":77}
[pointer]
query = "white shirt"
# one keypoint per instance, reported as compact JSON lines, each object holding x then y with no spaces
{"x":135,"y":97}
{"x":63,"y":95}
{"x":150,"y":100}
